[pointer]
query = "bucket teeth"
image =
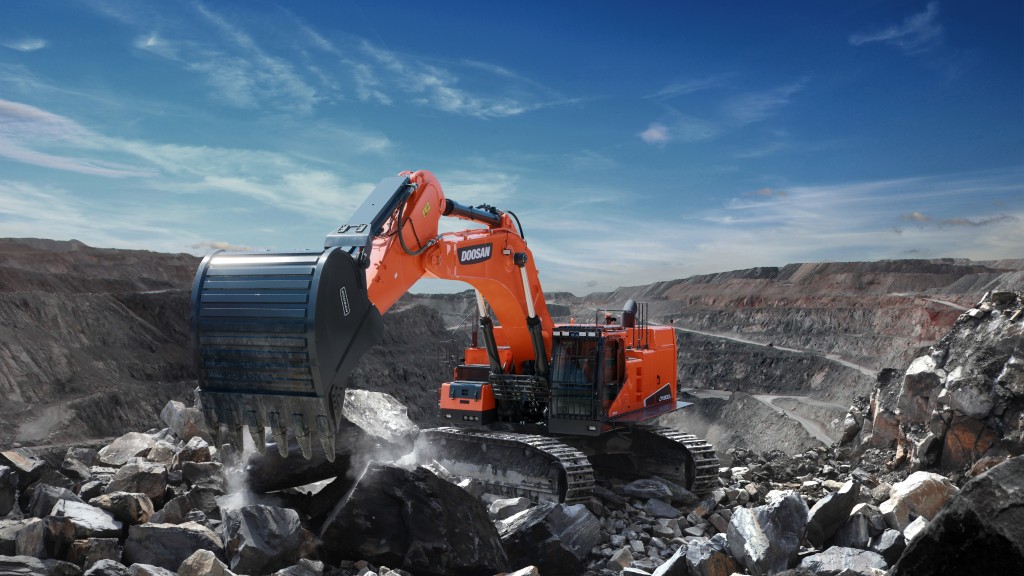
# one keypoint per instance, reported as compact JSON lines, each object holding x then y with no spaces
{"x":303,"y":437}
{"x":259,"y":438}
{"x":238,"y":437}
{"x":326,"y":434}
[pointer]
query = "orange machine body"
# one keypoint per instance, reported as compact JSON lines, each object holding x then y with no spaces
{"x":577,"y":379}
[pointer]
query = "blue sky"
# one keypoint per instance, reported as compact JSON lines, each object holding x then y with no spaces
{"x":636,"y":141}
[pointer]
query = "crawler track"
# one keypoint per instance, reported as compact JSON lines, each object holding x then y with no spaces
{"x":537,"y":467}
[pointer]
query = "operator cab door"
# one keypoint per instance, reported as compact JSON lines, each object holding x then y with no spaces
{"x":586,"y":369}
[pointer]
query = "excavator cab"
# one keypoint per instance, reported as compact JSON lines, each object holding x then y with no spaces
{"x":586,"y":376}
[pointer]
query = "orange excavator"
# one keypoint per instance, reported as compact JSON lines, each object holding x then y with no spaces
{"x":535,"y":410}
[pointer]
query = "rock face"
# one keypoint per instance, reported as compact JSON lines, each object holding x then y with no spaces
{"x":381,"y":520}
{"x":962,"y":401}
{"x":766,"y":539}
{"x":981,"y":531}
{"x":554,"y":537}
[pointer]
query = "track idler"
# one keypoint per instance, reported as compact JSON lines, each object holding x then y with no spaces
{"x":275,"y":337}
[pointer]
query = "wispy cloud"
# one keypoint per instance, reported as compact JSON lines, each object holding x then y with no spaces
{"x":918,"y":33}
{"x":756,"y":106}
{"x":853,"y":221}
{"x":685,"y":87}
{"x":674,"y":126}
{"x":25,"y":44}
{"x":34,"y":136}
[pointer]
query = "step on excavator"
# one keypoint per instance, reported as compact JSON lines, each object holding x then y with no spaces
{"x":535,"y":410}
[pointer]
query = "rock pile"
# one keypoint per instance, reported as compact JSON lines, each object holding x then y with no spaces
{"x":960,"y":408}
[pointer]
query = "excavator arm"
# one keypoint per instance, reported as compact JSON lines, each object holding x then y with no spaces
{"x":276,"y":335}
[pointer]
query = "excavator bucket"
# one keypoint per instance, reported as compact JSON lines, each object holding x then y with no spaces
{"x":275,"y":337}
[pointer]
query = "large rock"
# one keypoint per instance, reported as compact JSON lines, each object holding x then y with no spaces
{"x":44,"y":497}
{"x":121,"y":450}
{"x":89,"y":551}
{"x":8,"y":535}
{"x":920,"y":391}
{"x":127,"y":508}
{"x":185,"y":421}
{"x":260,"y":539}
{"x":29,"y":566}
{"x":8,"y":490}
{"x":414,"y":520}
{"x":766,"y":539}
{"x":140,"y":477}
{"x":965,"y":441}
{"x":981,"y":531}
{"x":710,"y":557}
{"x":89,"y":521}
{"x":204,"y":475}
{"x":846,"y":561}
{"x":831,"y":512}
{"x":107,"y":567}
{"x":645,"y":488}
{"x":556,"y":538}
{"x":675,"y":565}
{"x":28,"y":466}
{"x":49,"y":537}
{"x":890,"y":544}
{"x":149,"y":570}
{"x":921,"y":494}
{"x":203,"y":563}
{"x":168,"y":545}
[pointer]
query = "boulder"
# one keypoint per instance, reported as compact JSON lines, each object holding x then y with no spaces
{"x":675,"y":565}
{"x":89,"y":521}
{"x":87,"y":456}
{"x":8,"y":535}
{"x":657,"y":508}
{"x":710,"y":557}
{"x":75,"y":469}
{"x":554,"y":537}
{"x":890,"y":544}
{"x":168,"y":545}
{"x":412,"y":519}
{"x":766,"y":539}
{"x":307,"y":567}
{"x":920,"y":390}
{"x":140,"y":477}
{"x":504,"y":507}
{"x":680,"y":496}
{"x":203,"y":563}
{"x":621,"y":559}
{"x":28,"y":466}
{"x":149,"y":570}
{"x":921,"y":494}
{"x":260,"y":539}
{"x":107,"y":568}
{"x":831,"y":512}
{"x":118,"y":452}
{"x":865,"y":522}
{"x":29,"y":566}
{"x":126,"y":507}
{"x":204,"y":475}
{"x":89,"y":551}
{"x":195,"y":450}
{"x":49,"y":537}
{"x":980,"y":531}
{"x":645,"y":488}
{"x":8,"y":490}
{"x":846,"y":561}
{"x":186,"y":422}
{"x":44,"y":497}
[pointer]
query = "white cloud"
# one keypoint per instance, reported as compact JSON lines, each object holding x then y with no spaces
{"x":655,"y":134}
{"x":918,"y":33}
{"x":26,"y":44}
